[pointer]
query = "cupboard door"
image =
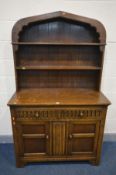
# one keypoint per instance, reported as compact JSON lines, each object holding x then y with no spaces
{"x":35,"y":139}
{"x":58,"y":138}
{"x":82,"y":138}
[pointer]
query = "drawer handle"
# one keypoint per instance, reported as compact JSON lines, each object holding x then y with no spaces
{"x":70,"y":136}
{"x":47,"y":137}
{"x":36,"y":114}
{"x":81,"y":114}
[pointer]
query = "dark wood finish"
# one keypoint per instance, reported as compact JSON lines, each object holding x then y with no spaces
{"x":58,"y":112}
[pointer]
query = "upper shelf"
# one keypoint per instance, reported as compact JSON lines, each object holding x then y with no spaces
{"x":62,"y":67}
{"x":59,"y":43}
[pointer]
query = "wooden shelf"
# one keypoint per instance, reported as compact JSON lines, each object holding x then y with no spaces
{"x":52,"y":67}
{"x":58,"y":43}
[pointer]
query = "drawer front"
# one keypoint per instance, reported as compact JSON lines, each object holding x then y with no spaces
{"x":58,"y":113}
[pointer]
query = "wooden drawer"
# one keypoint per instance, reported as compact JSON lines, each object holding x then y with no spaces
{"x":57,"y":113}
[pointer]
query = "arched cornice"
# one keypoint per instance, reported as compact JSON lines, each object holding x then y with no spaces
{"x":18,"y":27}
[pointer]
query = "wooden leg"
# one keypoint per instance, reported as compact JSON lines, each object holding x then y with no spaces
{"x":20,"y":164}
{"x":95,"y":162}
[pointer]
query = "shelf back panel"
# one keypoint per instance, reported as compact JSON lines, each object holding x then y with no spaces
{"x":59,"y":30}
{"x":58,"y":55}
{"x":58,"y":79}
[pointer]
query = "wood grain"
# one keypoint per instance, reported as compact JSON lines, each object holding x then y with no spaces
{"x":58,"y":97}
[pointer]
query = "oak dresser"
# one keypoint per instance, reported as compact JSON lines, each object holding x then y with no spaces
{"x":58,"y":111}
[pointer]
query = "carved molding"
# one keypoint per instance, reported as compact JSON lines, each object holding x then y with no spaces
{"x":57,"y":114}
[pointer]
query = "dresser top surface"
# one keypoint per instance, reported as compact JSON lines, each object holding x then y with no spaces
{"x":58,"y":96}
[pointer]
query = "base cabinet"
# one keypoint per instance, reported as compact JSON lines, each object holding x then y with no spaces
{"x":60,"y":134}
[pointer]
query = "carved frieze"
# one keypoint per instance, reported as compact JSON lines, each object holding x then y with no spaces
{"x":57,"y":114}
